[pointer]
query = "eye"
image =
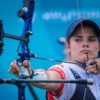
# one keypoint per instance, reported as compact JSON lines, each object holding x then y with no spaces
{"x":92,"y":39}
{"x":78,"y":39}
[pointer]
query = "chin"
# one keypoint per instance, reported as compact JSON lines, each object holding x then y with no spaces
{"x":84,"y":60}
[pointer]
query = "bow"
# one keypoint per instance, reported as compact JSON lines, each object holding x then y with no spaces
{"x":26,"y":13}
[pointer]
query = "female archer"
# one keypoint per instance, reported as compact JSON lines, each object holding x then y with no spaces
{"x":82,"y":47}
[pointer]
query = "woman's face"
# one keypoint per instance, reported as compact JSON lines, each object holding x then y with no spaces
{"x":83,"y":45}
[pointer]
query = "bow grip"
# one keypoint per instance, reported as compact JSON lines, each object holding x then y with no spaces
{"x":23,"y":72}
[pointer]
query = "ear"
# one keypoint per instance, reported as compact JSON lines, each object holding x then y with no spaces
{"x":67,"y":45}
{"x":67,"y":48}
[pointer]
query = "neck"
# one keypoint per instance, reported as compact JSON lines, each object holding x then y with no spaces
{"x":80,"y":64}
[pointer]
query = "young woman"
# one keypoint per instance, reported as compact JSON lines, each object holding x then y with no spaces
{"x":82,"y":47}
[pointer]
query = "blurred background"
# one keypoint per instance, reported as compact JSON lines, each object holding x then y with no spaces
{"x":51,"y":21}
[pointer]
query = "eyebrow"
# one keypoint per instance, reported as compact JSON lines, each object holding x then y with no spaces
{"x":79,"y":36}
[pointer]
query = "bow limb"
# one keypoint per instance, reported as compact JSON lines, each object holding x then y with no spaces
{"x":26,"y":13}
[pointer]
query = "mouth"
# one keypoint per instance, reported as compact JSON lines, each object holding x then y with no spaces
{"x":85,"y":52}
{"x":85,"y":55}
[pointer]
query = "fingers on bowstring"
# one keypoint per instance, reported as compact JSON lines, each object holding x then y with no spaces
{"x":92,"y":66}
{"x":93,"y":71}
{"x":92,"y":62}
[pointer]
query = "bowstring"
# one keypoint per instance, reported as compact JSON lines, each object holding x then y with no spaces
{"x":82,"y":29}
{"x":79,"y":17}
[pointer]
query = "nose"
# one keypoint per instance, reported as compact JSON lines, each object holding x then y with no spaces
{"x":85,"y":46}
